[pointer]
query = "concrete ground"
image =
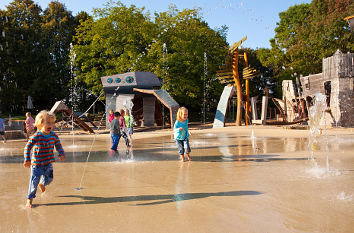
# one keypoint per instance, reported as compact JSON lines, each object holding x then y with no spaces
{"x":236,"y":183}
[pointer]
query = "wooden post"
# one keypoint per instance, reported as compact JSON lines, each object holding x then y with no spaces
{"x":247,"y":105}
{"x":238,"y":86}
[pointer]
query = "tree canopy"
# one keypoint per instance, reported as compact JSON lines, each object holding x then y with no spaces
{"x":34,"y":49}
{"x":306,"y":34}
{"x":120,"y":39}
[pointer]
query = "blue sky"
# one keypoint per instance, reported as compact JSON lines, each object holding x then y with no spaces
{"x":255,"y":19}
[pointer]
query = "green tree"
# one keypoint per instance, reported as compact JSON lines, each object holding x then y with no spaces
{"x":34,"y":54}
{"x":119,"y":39}
{"x":110,"y":42}
{"x":21,"y":52}
{"x":306,"y":34}
{"x":188,"y":38}
{"x":58,"y":27}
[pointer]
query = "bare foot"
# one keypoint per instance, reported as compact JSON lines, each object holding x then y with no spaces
{"x":42,"y":187}
{"x":189,"y":158}
{"x":112,"y":152}
{"x":29,"y":203}
{"x":182,"y":158}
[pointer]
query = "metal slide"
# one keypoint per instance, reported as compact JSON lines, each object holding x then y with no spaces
{"x":59,"y":106}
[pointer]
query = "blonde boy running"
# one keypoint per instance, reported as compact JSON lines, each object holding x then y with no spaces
{"x":42,"y":142}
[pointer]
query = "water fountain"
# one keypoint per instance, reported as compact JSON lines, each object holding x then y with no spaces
{"x":253,"y":141}
{"x":73,"y":100}
{"x":205,"y":74}
{"x":72,"y":56}
{"x":318,"y":138}
{"x":128,"y":104}
{"x":316,"y":114}
{"x":148,"y":48}
{"x":164,"y":76}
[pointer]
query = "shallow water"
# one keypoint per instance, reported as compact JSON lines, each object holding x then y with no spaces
{"x":234,"y":184}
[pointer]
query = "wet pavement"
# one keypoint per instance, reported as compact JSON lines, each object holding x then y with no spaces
{"x":235,"y":183}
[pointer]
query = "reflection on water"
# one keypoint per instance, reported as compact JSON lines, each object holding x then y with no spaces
{"x":203,"y":145}
{"x":75,"y":146}
{"x":182,"y":184}
{"x":224,"y":149}
{"x":232,"y":177}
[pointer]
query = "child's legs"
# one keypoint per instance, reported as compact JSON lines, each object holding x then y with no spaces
{"x":186,"y":145}
{"x":36,"y":173}
{"x":130,"y":133}
{"x":47,"y":176}
{"x":180,"y":147}
{"x":188,"y":149}
{"x":2,"y":133}
{"x":115,"y":139}
{"x":29,"y":132}
{"x":125,"y":136}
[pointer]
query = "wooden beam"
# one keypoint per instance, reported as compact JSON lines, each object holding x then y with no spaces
{"x":236,"y":45}
{"x":224,"y":74}
{"x":247,"y":104}
{"x":226,"y":82}
{"x":228,"y":78}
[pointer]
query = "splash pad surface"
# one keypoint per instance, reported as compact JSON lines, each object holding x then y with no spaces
{"x":235,"y":183}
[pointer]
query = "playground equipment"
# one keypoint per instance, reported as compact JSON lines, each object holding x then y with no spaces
{"x":292,"y":109}
{"x":229,"y":75}
{"x":227,"y":93}
{"x":142,"y":89}
{"x":59,"y":106}
{"x":336,"y":82}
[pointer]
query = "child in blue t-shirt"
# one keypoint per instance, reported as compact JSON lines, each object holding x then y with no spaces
{"x":181,"y":133}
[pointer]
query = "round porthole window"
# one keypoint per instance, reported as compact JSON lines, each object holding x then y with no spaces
{"x":109,"y":80}
{"x":129,"y":79}
{"x":118,"y":80}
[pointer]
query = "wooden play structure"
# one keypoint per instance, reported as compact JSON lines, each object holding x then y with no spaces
{"x":228,"y":74}
{"x":335,"y":82}
{"x":289,"y":110}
